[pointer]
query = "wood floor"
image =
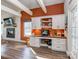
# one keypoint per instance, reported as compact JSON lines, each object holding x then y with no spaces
{"x":16,"y":50}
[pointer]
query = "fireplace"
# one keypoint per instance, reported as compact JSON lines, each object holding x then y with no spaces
{"x":10,"y":32}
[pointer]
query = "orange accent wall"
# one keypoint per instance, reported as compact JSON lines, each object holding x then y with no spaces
{"x":51,"y":10}
{"x":36,"y":32}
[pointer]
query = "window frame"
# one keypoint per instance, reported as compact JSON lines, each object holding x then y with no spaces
{"x":30,"y":28}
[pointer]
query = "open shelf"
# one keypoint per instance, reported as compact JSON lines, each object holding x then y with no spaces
{"x":46,"y":26}
{"x":46,"y":23}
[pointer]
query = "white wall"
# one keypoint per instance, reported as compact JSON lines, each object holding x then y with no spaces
{"x":72,"y":37}
{"x":17,"y":28}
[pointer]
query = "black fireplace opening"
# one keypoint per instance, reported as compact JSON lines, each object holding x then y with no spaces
{"x":10,"y":32}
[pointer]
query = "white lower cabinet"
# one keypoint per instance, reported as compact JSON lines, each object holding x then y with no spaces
{"x":36,"y":23}
{"x":59,"y":44}
{"x":35,"y":42}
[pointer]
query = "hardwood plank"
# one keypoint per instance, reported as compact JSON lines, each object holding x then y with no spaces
{"x":18,"y":50}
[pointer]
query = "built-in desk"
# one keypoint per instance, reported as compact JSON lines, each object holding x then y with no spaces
{"x":58,"y":44}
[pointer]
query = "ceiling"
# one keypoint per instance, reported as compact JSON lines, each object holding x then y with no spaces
{"x":7,"y":4}
{"x":30,"y":3}
{"x":33,"y":3}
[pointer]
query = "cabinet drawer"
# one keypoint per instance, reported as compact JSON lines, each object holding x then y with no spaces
{"x":59,"y":47}
{"x":59,"y":41}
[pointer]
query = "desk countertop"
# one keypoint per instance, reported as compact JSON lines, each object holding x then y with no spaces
{"x":49,"y":37}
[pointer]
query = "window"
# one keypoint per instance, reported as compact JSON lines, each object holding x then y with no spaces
{"x":27,"y":28}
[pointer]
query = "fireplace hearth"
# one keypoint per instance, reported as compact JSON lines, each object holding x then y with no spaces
{"x":10,"y":32}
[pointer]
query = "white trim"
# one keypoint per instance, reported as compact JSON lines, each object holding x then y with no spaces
{"x":6,"y":9}
{"x":16,"y":40}
{"x":42,"y":5}
{"x":72,"y":56}
{"x":73,"y":3}
{"x":67,"y":52}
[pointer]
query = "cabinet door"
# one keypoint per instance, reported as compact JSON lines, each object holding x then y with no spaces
{"x":58,"y":22}
{"x":36,"y":23}
{"x":59,"y":44}
{"x":35,"y":42}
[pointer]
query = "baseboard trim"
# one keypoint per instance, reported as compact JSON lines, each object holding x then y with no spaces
{"x":15,"y":40}
{"x":67,"y":52}
{"x":70,"y":55}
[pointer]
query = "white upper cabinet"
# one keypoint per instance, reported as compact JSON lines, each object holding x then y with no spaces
{"x":36,"y":23}
{"x":58,"y":22}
